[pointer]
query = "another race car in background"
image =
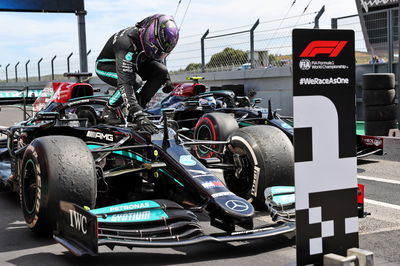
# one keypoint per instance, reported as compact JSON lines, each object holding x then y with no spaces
{"x":213,"y":115}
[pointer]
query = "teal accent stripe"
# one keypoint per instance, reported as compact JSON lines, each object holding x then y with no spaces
{"x":105,"y":73}
{"x":115,"y":97}
{"x":137,"y":158}
{"x":104,"y":60}
{"x":245,"y":124}
{"x":122,"y":153}
{"x":167,"y":174}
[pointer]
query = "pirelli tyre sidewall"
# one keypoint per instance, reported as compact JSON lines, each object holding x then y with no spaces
{"x":378,"y":81}
{"x":213,"y":126}
{"x":379,"y":97}
{"x":55,"y":168}
{"x":267,"y":159}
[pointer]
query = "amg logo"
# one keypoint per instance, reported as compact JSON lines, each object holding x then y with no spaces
{"x":78,"y":221}
{"x":99,"y":135}
{"x":314,"y":48}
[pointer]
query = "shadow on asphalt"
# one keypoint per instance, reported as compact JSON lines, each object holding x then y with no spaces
{"x":14,"y":234}
{"x":199,"y":253}
{"x":366,"y":161}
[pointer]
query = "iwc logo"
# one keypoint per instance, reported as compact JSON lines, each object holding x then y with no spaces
{"x":305,"y":64}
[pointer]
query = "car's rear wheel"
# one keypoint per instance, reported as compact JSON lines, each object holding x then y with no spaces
{"x":213,"y":126}
{"x":88,"y":113}
{"x":263,"y":157}
{"x":55,"y":168}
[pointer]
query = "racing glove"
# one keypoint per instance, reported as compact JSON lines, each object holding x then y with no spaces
{"x":129,"y":99}
{"x":168,"y":87}
{"x":143,"y":123}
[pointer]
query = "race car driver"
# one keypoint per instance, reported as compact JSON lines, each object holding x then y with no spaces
{"x":134,"y":55}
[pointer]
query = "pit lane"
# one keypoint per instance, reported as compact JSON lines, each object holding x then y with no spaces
{"x":379,"y":232}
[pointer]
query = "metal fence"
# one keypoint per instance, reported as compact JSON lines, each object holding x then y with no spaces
{"x":264,"y":44}
{"x":377,"y":42}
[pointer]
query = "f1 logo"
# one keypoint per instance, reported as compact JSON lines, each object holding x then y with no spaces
{"x":333,"y":48}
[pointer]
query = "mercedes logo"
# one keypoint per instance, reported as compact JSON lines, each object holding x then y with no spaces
{"x":237,"y":205}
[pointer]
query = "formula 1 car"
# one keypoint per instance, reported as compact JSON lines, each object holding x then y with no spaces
{"x":115,"y":185}
{"x":214,"y":115}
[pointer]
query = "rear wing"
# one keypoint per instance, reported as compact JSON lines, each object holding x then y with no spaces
{"x":24,"y":95}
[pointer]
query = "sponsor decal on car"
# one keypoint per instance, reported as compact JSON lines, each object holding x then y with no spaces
{"x":100,"y":135}
{"x":137,"y":205}
{"x":78,"y":221}
{"x":372,"y":141}
{"x":212,"y":184}
{"x":135,"y":216}
{"x":221,"y":194}
{"x":237,"y":205}
{"x":187,"y":160}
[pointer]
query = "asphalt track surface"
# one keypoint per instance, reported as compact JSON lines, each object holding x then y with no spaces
{"x":379,"y":232}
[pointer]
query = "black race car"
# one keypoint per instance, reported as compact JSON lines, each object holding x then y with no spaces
{"x":93,"y":184}
{"x":215,"y":114}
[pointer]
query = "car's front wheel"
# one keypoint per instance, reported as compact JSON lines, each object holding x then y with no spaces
{"x":55,"y":168}
{"x":263,"y":157}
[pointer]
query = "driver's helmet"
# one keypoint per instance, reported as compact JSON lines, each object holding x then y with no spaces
{"x":159,"y":35}
{"x":208,"y":102}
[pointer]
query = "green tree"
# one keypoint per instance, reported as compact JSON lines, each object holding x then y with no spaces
{"x":228,"y":57}
{"x":192,"y":67}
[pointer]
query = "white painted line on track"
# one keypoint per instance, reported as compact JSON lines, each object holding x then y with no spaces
{"x":377,"y":179}
{"x":383,"y":204}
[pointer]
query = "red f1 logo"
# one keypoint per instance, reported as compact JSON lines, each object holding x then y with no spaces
{"x":333,"y":48}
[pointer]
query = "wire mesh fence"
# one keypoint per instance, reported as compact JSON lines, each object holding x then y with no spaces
{"x":377,"y":41}
{"x":266,"y":45}
{"x":269,"y":44}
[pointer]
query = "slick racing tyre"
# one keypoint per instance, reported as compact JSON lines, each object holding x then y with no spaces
{"x":380,"y":113}
{"x":263,"y":157}
{"x":213,"y":126}
{"x":55,"y":168}
{"x":88,"y":113}
{"x":379,"y":97}
{"x":379,"y":128}
{"x":378,"y":81}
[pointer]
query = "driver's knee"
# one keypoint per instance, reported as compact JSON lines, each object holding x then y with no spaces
{"x":137,"y":82}
{"x":159,"y":71}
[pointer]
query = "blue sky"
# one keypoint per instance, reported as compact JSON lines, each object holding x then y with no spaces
{"x":34,"y":35}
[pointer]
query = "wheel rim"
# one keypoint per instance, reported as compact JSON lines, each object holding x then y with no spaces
{"x":242,"y":183}
{"x":29,"y":186}
{"x":204,"y":133}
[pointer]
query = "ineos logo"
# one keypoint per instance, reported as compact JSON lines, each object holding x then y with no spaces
{"x":237,"y":205}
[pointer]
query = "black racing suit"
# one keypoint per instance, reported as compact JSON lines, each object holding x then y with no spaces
{"x":123,"y":64}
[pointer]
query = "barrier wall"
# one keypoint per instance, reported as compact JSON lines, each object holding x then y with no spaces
{"x":268,"y":83}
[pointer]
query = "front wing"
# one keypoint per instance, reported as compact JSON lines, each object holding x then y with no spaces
{"x":156,"y":223}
